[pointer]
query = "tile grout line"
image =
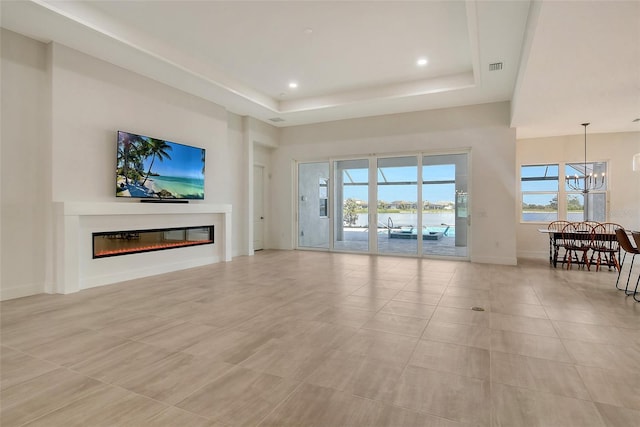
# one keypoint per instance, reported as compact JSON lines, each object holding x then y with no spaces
{"x":285,"y":399}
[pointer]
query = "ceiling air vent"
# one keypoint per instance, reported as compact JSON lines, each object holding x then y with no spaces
{"x":277,"y":120}
{"x":496,"y":66}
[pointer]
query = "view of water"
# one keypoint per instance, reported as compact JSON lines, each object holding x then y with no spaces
{"x":186,"y":187}
{"x":548,"y":216}
{"x":436,"y":219}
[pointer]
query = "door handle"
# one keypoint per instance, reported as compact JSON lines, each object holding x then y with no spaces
{"x":261,"y":217}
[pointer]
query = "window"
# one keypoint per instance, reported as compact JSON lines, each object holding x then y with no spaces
{"x":539,"y":188}
{"x":545,"y":200}
{"x":596,"y":203}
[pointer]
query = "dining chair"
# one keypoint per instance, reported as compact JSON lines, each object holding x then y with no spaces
{"x":577,"y":240}
{"x":628,"y":248}
{"x":553,"y":228}
{"x":592,"y":223}
{"x":605,"y":245}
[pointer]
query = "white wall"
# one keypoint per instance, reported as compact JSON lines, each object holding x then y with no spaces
{"x":250,"y":143}
{"x":93,"y":99}
{"x":484,"y":129}
{"x":263,"y":134}
{"x":623,"y":184}
{"x":237,"y":156}
{"x":60,"y":113}
{"x":24,"y":151}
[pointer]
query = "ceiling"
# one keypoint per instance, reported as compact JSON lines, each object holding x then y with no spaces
{"x":563,"y":63}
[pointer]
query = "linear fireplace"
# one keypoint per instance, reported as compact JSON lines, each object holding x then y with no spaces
{"x":75,"y":268}
{"x":115,"y":243}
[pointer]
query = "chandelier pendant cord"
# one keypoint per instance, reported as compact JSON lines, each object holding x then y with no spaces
{"x":590,"y":181}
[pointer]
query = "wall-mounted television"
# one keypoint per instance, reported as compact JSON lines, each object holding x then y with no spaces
{"x":153,"y":168}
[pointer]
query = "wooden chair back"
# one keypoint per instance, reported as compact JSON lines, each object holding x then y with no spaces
{"x":576,"y":235}
{"x":557,"y":225}
{"x":604,"y":229}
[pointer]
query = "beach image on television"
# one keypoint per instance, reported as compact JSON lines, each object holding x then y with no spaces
{"x":154,"y":168}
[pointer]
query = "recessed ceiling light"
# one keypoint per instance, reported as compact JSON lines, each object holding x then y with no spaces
{"x":293,"y":85}
{"x":422,"y":62}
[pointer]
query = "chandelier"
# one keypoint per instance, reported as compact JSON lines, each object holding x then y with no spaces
{"x":588,"y":181}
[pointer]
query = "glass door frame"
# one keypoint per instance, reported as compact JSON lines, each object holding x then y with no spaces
{"x":372,"y":210}
{"x":467,"y":196}
{"x":371,"y":173}
{"x":418,"y":196}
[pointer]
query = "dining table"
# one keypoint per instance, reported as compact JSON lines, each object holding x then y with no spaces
{"x":587,"y":236}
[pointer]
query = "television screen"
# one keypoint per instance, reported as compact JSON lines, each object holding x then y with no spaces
{"x":153,"y":168}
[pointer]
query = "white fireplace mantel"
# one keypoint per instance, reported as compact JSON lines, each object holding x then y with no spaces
{"x":72,"y":235}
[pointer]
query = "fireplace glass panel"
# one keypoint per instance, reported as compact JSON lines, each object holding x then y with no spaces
{"x":114,"y":243}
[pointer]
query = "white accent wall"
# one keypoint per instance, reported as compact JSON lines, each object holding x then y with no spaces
{"x":93,"y":99}
{"x":623,"y":196}
{"x":60,"y":113}
{"x":483,"y":130}
{"x":238,"y":200}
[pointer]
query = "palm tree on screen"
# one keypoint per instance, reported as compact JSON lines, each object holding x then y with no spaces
{"x":158,"y":149}
{"x":129,"y":154}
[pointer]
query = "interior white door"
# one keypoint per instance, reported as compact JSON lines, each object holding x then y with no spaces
{"x":258,"y":208}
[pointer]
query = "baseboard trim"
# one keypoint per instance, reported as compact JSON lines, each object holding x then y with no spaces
{"x":494,"y":260}
{"x":533,"y":254}
{"x":21,"y":291}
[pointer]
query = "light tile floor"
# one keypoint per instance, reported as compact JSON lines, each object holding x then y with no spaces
{"x":295,"y":338}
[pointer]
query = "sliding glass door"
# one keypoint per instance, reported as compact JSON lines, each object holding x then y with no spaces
{"x":444,"y":205}
{"x":351,"y":207}
{"x":417,"y":205}
{"x":397,"y":205}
